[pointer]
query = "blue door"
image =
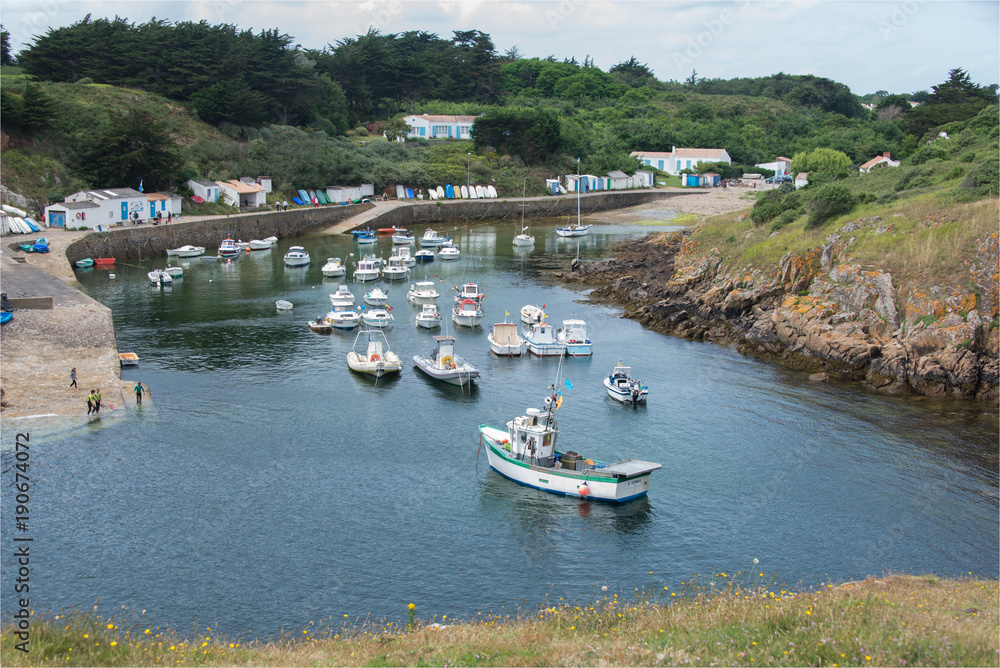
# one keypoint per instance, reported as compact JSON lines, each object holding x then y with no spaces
{"x":57,"y":219}
{"x":124,"y":210}
{"x":152,"y":209}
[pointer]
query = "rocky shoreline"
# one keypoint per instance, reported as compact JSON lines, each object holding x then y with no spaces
{"x":813,"y":314}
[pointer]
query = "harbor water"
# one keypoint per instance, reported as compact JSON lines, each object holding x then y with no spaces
{"x":264,"y":486}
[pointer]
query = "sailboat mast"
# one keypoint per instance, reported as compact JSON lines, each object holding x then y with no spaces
{"x":579,"y":187}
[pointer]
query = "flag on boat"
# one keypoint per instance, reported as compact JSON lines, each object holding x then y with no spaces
{"x":569,"y":385}
{"x":506,"y":313}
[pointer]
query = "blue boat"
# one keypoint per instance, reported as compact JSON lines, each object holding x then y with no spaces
{"x":409,"y":193}
{"x":297,"y":201}
{"x":85,"y":262}
{"x":5,"y":317}
{"x":449,"y":191}
{"x":304,"y":196}
{"x":41,"y":248}
{"x":41,"y":241}
{"x":424,"y":255}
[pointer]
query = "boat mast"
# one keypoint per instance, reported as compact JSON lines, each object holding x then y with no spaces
{"x":578,"y":189}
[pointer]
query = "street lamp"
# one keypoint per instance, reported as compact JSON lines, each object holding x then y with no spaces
{"x":468,"y":170}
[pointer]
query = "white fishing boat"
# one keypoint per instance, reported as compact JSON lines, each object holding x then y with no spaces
{"x":366,"y":270}
{"x":429,"y":317}
{"x":424,"y":255}
{"x":377,"y":297}
{"x":526,"y":453}
{"x":444,"y":365}
{"x":394,"y":270}
{"x":524,"y":239}
{"x":187,"y":251}
{"x":174,"y":272}
{"x":467,"y":313}
{"x":271,"y":240}
{"x":321,"y":326}
{"x":622,"y":387}
{"x":449,"y":251}
{"x":229,"y":249}
{"x":334,"y":267}
{"x":403,"y":237}
{"x":422,"y":292}
{"x":158,"y":277}
{"x":377,"y":317}
{"x":530,"y":314}
{"x":371,"y":355}
{"x":297,"y":257}
{"x":469,"y":291}
{"x":405,"y":256}
{"x":504,"y":339}
{"x":259,"y":244}
{"x":432,"y":238}
{"x":283,"y":305}
{"x":342,"y":297}
{"x":343,"y":317}
{"x":574,"y":335}
{"x":541,"y":340}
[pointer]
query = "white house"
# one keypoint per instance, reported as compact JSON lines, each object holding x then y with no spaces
{"x":205,"y":189}
{"x":237,"y":193}
{"x":672,"y":162}
{"x":162,"y":203}
{"x":644,"y":178}
{"x":883,"y":159}
{"x":264,"y":181}
{"x":780,"y":166}
{"x":619,"y":180}
{"x":93,"y":208}
{"x":337,"y":194}
{"x":439,"y":127}
{"x":801,"y":179}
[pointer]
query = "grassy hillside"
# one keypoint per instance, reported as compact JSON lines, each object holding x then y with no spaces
{"x":894,"y":621}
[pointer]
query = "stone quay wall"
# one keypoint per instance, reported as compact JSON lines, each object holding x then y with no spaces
{"x":144,"y":241}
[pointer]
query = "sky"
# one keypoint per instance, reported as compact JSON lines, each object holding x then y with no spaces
{"x":899,"y":46}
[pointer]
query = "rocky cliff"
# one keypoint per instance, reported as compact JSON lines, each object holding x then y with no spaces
{"x":813,"y":313}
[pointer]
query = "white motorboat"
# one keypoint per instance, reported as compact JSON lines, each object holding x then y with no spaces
{"x":377,"y":297}
{"x":623,"y":387}
{"x":343,"y":317}
{"x":174,"y":272}
{"x":432,"y":238}
{"x":429,"y":317}
{"x":530,"y":314}
{"x":366,"y":270}
{"x":401,"y":237}
{"x":375,"y":358}
{"x":395,"y":270}
{"x":422,"y":292}
{"x":444,"y":365}
{"x":270,"y":240}
{"x":187,"y":251}
{"x":469,"y":291}
{"x":504,"y":340}
{"x":424,"y":255}
{"x":574,"y":334}
{"x":573,"y":230}
{"x":405,"y":257}
{"x":467,"y":313}
{"x":526,"y":452}
{"x":377,"y":317}
{"x":297,"y":257}
{"x":259,"y":244}
{"x":242,"y":245}
{"x":342,"y":297}
{"x":158,"y":277}
{"x":365,"y":237}
{"x":449,"y":251}
{"x":321,"y":326}
{"x":334,"y":267}
{"x":229,"y":249}
{"x":540,"y":340}
{"x":283,"y":305}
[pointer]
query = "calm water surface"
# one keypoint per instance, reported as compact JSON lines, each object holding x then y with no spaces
{"x":266,"y":486}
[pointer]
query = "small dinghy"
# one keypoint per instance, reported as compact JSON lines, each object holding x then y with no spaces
{"x":530,"y":314}
{"x":444,"y":365}
{"x":321,"y":326}
{"x":174,"y":272}
{"x":371,"y":355}
{"x":622,"y":387}
{"x":158,"y":277}
{"x":85,"y":262}
{"x":283,"y":305}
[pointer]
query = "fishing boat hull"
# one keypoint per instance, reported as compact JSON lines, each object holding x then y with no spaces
{"x":461,"y":374}
{"x":505,"y":341}
{"x":428,"y":322}
{"x":365,"y":275}
{"x":573,"y":231}
{"x":259,"y":244}
{"x":187,"y":251}
{"x":395,"y":273}
{"x":296,"y":260}
{"x":618,"y":482}
{"x":320,"y":326}
{"x":378,"y":368}
{"x":625,"y":394}
{"x":504,"y":349}
{"x":524,"y":240}
{"x":449,"y":254}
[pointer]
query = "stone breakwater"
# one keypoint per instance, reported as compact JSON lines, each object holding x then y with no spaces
{"x":813,"y":313}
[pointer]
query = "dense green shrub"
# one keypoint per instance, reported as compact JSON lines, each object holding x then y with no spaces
{"x":785,"y":218}
{"x":955,"y":172}
{"x":867,"y":198}
{"x":887,"y":198}
{"x":361,"y":131}
{"x":969,"y":157}
{"x":982,"y":182}
{"x":765,"y":210}
{"x":830,"y":201}
{"x":928,"y":152}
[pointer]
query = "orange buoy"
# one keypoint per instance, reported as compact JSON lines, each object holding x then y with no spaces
{"x":584,"y":489}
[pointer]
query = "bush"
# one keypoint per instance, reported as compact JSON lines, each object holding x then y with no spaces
{"x":982,"y":182}
{"x":969,"y":157}
{"x":887,"y":198}
{"x":955,"y":172}
{"x":928,"y":152}
{"x":361,"y":131}
{"x":765,"y":210}
{"x":867,"y":198}
{"x":85,"y":81}
{"x":785,"y":218}
{"x":830,"y":201}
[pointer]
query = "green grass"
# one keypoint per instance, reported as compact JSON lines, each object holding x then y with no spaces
{"x":724,"y":619}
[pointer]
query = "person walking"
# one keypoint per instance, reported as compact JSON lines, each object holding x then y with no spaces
{"x":90,"y":402}
{"x":284,"y":205}
{"x":138,"y":393}
{"x":72,"y":378}
{"x":97,"y":400}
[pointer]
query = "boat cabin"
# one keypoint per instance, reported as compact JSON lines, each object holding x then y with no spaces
{"x":533,"y":435}
{"x":444,"y":352}
{"x":470,"y":291}
{"x":505,"y":334}
{"x":575,"y":331}
{"x":542,"y":332}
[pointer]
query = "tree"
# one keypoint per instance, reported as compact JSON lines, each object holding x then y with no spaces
{"x":395,"y":128}
{"x":692,"y":80}
{"x":632,"y":73}
{"x":133,"y":147}
{"x":532,"y":134}
{"x":5,"y":56}
{"x":956,"y":99}
{"x":821,"y":160}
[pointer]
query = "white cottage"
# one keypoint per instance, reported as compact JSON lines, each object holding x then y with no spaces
{"x":163,"y":204}
{"x":205,"y":189}
{"x":672,"y":162}
{"x":619,"y":180}
{"x":97,"y":208}
{"x":883,"y":159}
{"x":237,"y":193}
{"x":643,"y":178}
{"x":338,"y":194}
{"x":439,"y":126}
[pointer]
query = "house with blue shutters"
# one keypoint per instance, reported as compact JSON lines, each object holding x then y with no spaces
{"x":673,"y":161}
{"x":429,"y":126}
{"x":98,"y":208}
